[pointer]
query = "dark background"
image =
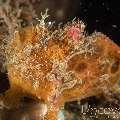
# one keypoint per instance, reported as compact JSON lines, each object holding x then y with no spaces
{"x":99,"y":15}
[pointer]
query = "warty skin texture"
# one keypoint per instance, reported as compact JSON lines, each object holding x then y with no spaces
{"x":60,"y":67}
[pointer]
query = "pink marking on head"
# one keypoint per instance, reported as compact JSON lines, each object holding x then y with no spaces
{"x":74,"y":33}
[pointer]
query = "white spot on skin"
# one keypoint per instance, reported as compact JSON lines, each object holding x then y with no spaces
{"x":50,"y":23}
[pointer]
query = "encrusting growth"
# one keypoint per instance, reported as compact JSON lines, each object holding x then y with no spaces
{"x":61,"y":66}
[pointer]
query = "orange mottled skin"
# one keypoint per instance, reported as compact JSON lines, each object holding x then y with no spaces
{"x":90,"y":72}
